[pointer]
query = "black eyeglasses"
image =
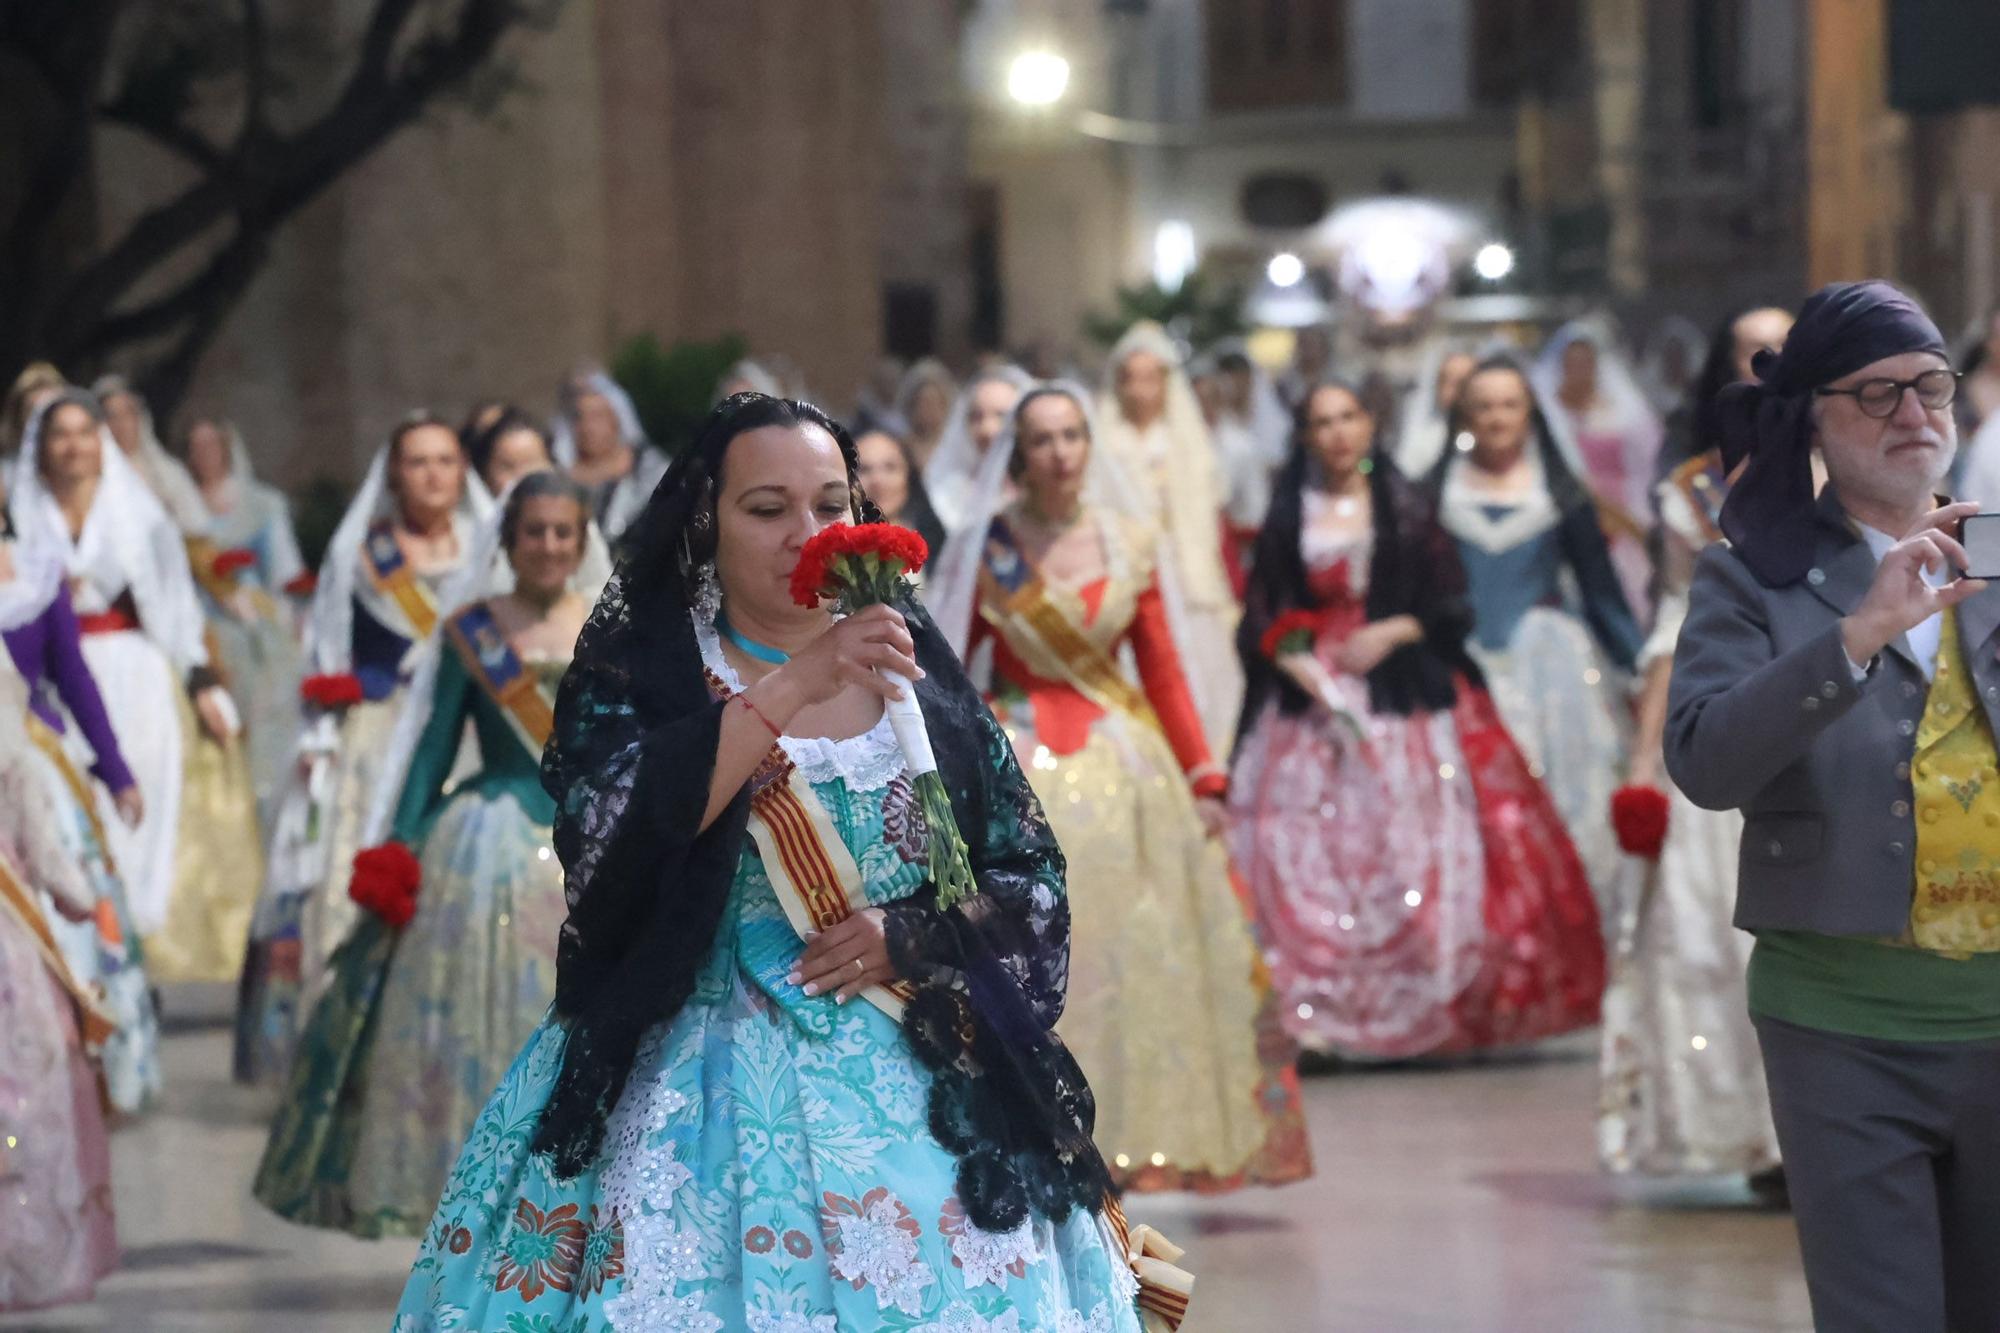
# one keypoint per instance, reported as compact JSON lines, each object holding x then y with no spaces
{"x":1881,"y":398}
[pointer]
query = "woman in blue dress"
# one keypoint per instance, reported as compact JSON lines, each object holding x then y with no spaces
{"x":1552,"y":630}
{"x":781,"y":1091}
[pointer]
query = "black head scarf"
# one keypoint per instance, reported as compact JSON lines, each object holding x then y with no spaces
{"x":1842,"y":327}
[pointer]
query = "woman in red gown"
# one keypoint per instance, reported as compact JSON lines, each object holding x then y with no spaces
{"x":1415,"y":889}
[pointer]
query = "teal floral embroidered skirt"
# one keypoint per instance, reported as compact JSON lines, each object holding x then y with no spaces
{"x":769,"y":1169}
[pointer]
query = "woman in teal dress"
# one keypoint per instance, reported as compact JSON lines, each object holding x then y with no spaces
{"x":781,"y":1090}
{"x":422,"y":1018}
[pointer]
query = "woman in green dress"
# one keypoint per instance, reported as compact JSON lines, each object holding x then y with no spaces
{"x":424,"y":1014}
{"x":782,"y":1090}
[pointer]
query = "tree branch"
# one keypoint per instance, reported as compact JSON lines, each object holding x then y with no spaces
{"x":166,"y":381}
{"x":256,"y":73}
{"x":271,"y":181}
{"x":378,"y":44}
{"x":184,"y":302}
{"x":188,"y":142}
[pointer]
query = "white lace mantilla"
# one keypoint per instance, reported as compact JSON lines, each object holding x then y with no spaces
{"x":868,"y":762}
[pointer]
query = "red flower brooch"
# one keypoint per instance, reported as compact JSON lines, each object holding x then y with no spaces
{"x":1639,"y":816}
{"x":337,"y":690}
{"x":1292,"y":632}
{"x":857,"y":563}
{"x":228,"y":564}
{"x":385,"y":882}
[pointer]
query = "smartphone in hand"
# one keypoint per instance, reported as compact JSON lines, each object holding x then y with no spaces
{"x":1980,"y":535}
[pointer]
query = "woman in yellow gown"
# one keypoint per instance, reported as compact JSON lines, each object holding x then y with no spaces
{"x":1199,"y":1093}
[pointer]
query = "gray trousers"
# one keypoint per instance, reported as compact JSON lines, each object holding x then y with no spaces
{"x":1892,"y":1156}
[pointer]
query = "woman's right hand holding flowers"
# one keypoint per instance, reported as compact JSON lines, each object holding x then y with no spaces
{"x":864,"y":649}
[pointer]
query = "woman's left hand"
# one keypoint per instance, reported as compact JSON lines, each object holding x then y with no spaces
{"x":217,"y":713}
{"x":1214,"y":815}
{"x":831,"y":957}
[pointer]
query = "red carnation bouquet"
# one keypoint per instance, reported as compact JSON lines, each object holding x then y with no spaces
{"x":858,"y":565}
{"x":303,"y":584}
{"x":386,"y":880}
{"x":1639,"y":816}
{"x":1292,"y":632}
{"x":865,"y":565}
{"x":1295,"y":631}
{"x":228,"y":564}
{"x":339,"y":689}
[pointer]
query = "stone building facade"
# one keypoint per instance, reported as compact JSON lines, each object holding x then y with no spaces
{"x":762,"y":167}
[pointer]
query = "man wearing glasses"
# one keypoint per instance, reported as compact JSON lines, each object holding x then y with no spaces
{"x":1837,"y":681}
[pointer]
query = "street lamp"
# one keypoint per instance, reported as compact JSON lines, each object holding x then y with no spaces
{"x":1493,"y":262}
{"x":1037,"y":78}
{"x":1174,"y":254}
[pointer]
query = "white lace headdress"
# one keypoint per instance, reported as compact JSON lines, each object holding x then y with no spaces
{"x":951,"y":594}
{"x":562,"y":428}
{"x":329,"y":635}
{"x":952,"y":473}
{"x":128,"y":542}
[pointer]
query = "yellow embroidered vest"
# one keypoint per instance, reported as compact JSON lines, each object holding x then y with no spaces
{"x":1956,"y":909}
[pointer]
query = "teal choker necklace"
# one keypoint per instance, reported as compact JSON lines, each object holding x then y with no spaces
{"x":763,"y":652}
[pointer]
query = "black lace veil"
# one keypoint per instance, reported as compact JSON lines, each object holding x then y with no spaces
{"x":629,"y":766}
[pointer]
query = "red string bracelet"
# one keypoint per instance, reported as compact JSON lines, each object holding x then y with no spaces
{"x":755,"y":712}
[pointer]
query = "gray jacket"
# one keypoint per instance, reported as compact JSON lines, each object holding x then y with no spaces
{"x":1765,"y":716}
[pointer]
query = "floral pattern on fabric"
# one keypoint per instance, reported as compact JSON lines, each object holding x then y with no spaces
{"x":769,"y":1169}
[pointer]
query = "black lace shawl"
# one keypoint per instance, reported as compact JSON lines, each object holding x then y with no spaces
{"x":1413,"y":571}
{"x":629,"y":767}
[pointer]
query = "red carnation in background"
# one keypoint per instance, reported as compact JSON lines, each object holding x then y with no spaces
{"x":386,"y":880}
{"x":228,"y":564}
{"x":859,"y":563}
{"x":335,"y":690}
{"x":1292,"y":632}
{"x":302,"y":585}
{"x":1639,"y":815}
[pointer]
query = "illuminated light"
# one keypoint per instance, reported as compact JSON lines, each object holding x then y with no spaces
{"x":1037,"y":78}
{"x":1592,"y":676}
{"x":1463,"y":442}
{"x":1305,"y":1011}
{"x":504,"y":920}
{"x":542,"y":853}
{"x":1447,"y":772}
{"x":1159,"y":1159}
{"x":1346,"y":921}
{"x":1123,"y":1161}
{"x":1413,"y":898}
{"x":1076,"y":798}
{"x":1173,"y":253}
{"x":1285,"y":269}
{"x":1493,"y":262}
{"x":1327,"y":918}
{"x":1699,"y":1043}
{"x":13,"y":1142}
